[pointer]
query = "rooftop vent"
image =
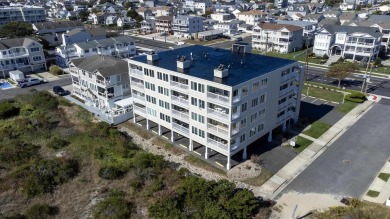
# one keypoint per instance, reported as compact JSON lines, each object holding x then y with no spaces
{"x":182,"y":62}
{"x":152,"y":56}
{"x":221,"y":71}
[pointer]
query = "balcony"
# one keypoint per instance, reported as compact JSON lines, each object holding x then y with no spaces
{"x":103,"y":82}
{"x":218,"y":98}
{"x":136,"y":73}
{"x":180,"y":115}
{"x":236,"y":99}
{"x":13,"y":55}
{"x":286,"y":103}
{"x":233,"y":146}
{"x":139,"y":110}
{"x":236,"y":115}
{"x":287,"y":90}
{"x":181,"y":129}
{"x":13,"y":66}
{"x":218,"y":144}
{"x":138,"y":98}
{"x":137,"y":85}
{"x":218,"y":113}
{"x":180,"y":100}
{"x":179,"y":86}
{"x":218,"y":129}
{"x":291,"y":75}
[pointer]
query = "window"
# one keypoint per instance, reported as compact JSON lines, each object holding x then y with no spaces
{"x":37,"y":58}
{"x":34,"y":49}
{"x":242,"y":138}
{"x":89,"y":75}
{"x":255,"y":86}
{"x":284,"y":86}
{"x":244,"y":91}
{"x":118,"y":78}
{"x":4,"y":52}
{"x":243,"y":107}
{"x":194,"y":101}
{"x":198,"y":132}
{"x":281,"y":114}
{"x":151,"y":112}
{"x":262,"y":113}
{"x":201,"y":104}
{"x":197,"y":87}
{"x":262,"y":98}
{"x":165,"y":117}
{"x":264,"y":83}
{"x":197,"y":117}
{"x":243,"y":123}
{"x":162,"y":76}
{"x":285,"y":72}
{"x":260,"y":127}
{"x":252,"y":132}
{"x":151,"y":99}
{"x":255,"y":102}
{"x":149,"y":72}
{"x":253,"y":117}
{"x":164,"y":104}
{"x":150,"y":86}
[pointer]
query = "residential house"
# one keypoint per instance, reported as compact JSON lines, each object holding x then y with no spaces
{"x":23,"y":54}
{"x":302,"y":9}
{"x":309,"y":29}
{"x":162,"y":11}
{"x":164,"y":24}
{"x":102,"y":82}
{"x":185,"y":25}
{"x":80,"y":35}
{"x":348,"y":16}
{"x":282,"y":38}
{"x":111,"y":20}
{"x":52,"y":31}
{"x":120,"y":47}
{"x":125,"y":21}
{"x":316,"y":18}
{"x":221,"y":104}
{"x":227,"y":28}
{"x":254,"y":17}
{"x":144,"y":12}
{"x":221,"y":17}
{"x":349,"y":42}
{"x":200,"y":6}
{"x":31,"y":14}
{"x":148,"y":25}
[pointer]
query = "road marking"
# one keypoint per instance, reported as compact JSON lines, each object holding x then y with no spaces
{"x":165,"y":137}
{"x":303,"y":98}
{"x":154,"y":132}
{"x":197,"y":153}
{"x":313,"y":101}
{"x":183,"y":146}
{"x":139,"y":124}
{"x":219,"y":163}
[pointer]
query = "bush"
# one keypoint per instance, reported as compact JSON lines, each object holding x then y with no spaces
{"x":55,"y":70}
{"x":45,"y":175}
{"x":16,"y":152}
{"x":114,"y":206}
{"x":38,"y":100}
{"x":57,"y":143}
{"x":112,"y":172}
{"x":8,"y":110}
{"x":41,"y":211}
{"x":325,"y":56}
{"x":355,"y":97}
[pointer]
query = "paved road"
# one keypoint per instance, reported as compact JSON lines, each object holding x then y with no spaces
{"x":379,"y":86}
{"x":11,"y":93}
{"x":351,"y":163}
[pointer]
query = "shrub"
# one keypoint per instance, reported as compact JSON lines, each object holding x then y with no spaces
{"x":114,"y":206}
{"x":112,"y":172}
{"x":45,"y":175}
{"x":55,"y":70}
{"x":27,"y":109}
{"x":7,"y":110}
{"x":57,"y":143}
{"x":378,"y":62}
{"x":41,"y":211}
{"x":38,"y":100}
{"x":16,"y":152}
{"x":355,"y":97}
{"x":325,"y":56}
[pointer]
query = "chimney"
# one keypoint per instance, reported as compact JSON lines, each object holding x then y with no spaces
{"x":182,"y":62}
{"x":152,"y":56}
{"x":221,"y":71}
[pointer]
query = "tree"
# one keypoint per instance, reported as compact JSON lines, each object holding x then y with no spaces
{"x":378,"y":61}
{"x":358,"y":8}
{"x":132,"y":13}
{"x":16,"y":29}
{"x":83,"y":15}
{"x":342,"y":70}
{"x":128,"y":5}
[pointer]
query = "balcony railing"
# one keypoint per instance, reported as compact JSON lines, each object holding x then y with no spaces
{"x":218,"y":129}
{"x":219,"y":114}
{"x":235,"y":130}
{"x":236,"y":115}
{"x":138,"y":97}
{"x":219,"y":98}
{"x":139,"y":110}
{"x":234,"y":146}
{"x":180,"y":86}
{"x":180,"y":101}
{"x":181,"y":129}
{"x":103,"y":82}
{"x":137,"y":85}
{"x":180,"y":115}
{"x":236,"y":99}
{"x":217,"y":144}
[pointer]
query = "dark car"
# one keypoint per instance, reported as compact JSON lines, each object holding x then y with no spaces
{"x":238,"y":39}
{"x":59,"y":90}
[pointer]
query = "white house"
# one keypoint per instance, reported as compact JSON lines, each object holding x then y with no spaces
{"x":214,"y":102}
{"x":253,"y":17}
{"x":185,"y":25}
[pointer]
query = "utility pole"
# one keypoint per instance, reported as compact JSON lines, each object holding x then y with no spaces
{"x":365,"y":74}
{"x":307,"y":57}
{"x":266,"y":44}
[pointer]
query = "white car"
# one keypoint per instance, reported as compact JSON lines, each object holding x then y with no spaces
{"x":29,"y":82}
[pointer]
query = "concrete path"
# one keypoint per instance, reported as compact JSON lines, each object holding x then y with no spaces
{"x":273,"y":186}
{"x":380,"y":186}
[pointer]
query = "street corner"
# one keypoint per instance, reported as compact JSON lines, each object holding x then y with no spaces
{"x":374,"y":98}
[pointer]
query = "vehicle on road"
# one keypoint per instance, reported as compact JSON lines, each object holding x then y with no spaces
{"x":29,"y":82}
{"x":238,"y":39}
{"x":59,"y":90}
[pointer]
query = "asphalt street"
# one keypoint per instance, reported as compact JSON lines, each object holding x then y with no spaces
{"x":349,"y":165}
{"x":11,"y":93}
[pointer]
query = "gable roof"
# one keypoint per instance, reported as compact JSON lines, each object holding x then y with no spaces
{"x":253,"y":12}
{"x":269,"y":26}
{"x":372,"y":31}
{"x":105,"y":65}
{"x":108,"y":41}
{"x":58,"y":24}
{"x":16,"y":42}
{"x":368,"y":23}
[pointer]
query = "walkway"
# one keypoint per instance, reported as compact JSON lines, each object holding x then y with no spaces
{"x":380,"y":186}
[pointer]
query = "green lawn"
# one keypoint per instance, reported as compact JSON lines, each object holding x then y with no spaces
{"x":346,"y":107}
{"x":317,"y":129}
{"x":372,"y":193}
{"x":301,"y":144}
{"x":384,"y":176}
{"x":323,"y":93}
{"x":383,"y":70}
{"x":301,"y":57}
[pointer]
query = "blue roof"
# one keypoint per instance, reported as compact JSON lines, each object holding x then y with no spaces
{"x":242,"y":66}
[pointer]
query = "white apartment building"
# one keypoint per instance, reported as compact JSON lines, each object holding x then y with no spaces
{"x":30,"y":14}
{"x":214,"y":101}
{"x":282,"y":38}
{"x":120,"y":47}
{"x":103,"y":83}
{"x":198,"y":5}
{"x":23,"y":54}
{"x":221,"y":17}
{"x":254,"y":17}
{"x":185,"y":25}
{"x":349,"y":42}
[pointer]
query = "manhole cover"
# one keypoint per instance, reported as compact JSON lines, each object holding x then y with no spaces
{"x":347,"y":161}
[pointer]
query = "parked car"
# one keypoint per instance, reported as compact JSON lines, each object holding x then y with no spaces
{"x":59,"y":90}
{"x":29,"y":82}
{"x":238,"y":39}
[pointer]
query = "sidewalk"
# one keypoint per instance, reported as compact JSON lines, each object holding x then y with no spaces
{"x":274,"y":186}
{"x":380,"y":186}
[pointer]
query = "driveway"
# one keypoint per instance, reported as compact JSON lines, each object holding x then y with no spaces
{"x":351,"y":163}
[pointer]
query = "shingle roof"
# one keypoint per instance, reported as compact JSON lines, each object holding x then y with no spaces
{"x":165,"y":18}
{"x":105,"y":65}
{"x":373,"y":31}
{"x":59,"y":24}
{"x":383,"y":18}
{"x":108,"y":41}
{"x":269,"y":26}
{"x":97,"y":31}
{"x":368,"y":23}
{"x":16,"y":42}
{"x":252,"y":12}
{"x":74,"y":31}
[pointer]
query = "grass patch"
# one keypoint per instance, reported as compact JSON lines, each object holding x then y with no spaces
{"x":323,"y":93}
{"x":346,"y":107}
{"x":203,"y":164}
{"x":259,"y":180}
{"x":196,"y":42}
{"x":384,"y":176}
{"x":317,"y":129}
{"x":139,"y":130}
{"x":372,"y":193}
{"x":298,"y":56}
{"x":302,"y":143}
{"x":167,"y":146}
